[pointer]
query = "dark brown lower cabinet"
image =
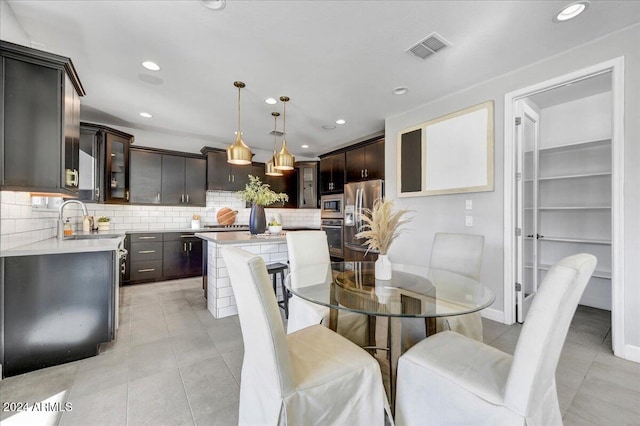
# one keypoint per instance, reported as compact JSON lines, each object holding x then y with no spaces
{"x":163,"y":256}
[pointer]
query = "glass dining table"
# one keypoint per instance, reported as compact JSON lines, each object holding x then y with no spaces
{"x":412,"y":292}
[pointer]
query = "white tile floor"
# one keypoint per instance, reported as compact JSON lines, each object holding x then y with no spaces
{"x":174,"y":364}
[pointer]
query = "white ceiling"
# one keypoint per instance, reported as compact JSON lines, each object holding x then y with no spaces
{"x":334,"y":59}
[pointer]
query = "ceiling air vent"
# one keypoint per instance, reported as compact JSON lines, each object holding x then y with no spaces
{"x":431,"y":44}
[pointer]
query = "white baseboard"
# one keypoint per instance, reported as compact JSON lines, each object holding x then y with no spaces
{"x":493,"y":315}
{"x":632,"y":353}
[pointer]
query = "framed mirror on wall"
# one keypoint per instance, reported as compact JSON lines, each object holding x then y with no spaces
{"x":448,"y":155}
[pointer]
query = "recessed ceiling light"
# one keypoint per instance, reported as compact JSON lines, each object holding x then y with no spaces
{"x":340,"y":121}
{"x":214,"y":4}
{"x":151,"y":66}
{"x":329,"y":126}
{"x":571,"y":10}
{"x":271,"y":101}
{"x":145,"y":115}
{"x":400,"y":90}
{"x":305,"y":146}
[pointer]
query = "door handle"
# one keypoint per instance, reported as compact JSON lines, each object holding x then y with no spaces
{"x":76,"y":178}
{"x":182,"y":198}
{"x":189,"y":246}
{"x":126,"y":194}
{"x":147,"y":270}
{"x":147,"y":238}
{"x":158,"y":197}
{"x":361,"y":173}
{"x":184,"y":246}
{"x":146,"y":251}
{"x":187,"y":198}
{"x":366,"y":172}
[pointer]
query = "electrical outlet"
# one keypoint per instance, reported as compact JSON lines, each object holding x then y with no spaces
{"x":468,"y":221}
{"x":468,"y":205}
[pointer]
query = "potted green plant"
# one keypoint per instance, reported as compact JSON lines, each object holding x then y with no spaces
{"x":259,"y":195}
{"x":381,"y":226}
{"x":103,"y":223}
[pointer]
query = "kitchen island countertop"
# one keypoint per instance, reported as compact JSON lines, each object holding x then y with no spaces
{"x":241,"y":237}
{"x":103,"y":241}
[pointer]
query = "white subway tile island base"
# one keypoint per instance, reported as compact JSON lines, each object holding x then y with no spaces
{"x":220,"y":300}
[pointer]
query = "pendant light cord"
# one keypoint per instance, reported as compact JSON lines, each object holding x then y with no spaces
{"x":239,"y":111}
{"x":275,"y":133}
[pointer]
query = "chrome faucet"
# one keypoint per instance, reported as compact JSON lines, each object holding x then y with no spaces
{"x":60,"y":220}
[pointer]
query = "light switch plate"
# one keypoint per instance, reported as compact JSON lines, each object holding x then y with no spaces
{"x":468,"y":221}
{"x":468,"y":204}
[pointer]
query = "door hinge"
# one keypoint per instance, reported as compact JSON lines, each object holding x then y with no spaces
{"x":518,"y":232}
{"x":518,"y":287}
{"x":518,"y":121}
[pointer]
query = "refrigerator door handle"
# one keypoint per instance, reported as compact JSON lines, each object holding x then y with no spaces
{"x":357,"y":212}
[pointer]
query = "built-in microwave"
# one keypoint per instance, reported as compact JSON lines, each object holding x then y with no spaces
{"x":332,"y":206}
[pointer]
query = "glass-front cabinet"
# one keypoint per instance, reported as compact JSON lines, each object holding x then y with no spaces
{"x":104,"y":164}
{"x":117,"y":171}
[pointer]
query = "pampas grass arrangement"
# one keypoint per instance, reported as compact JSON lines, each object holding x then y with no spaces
{"x":382,"y":225}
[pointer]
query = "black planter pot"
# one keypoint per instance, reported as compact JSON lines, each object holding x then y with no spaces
{"x":257,"y":220}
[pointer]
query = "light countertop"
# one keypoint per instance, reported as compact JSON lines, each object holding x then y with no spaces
{"x":55,"y":246}
{"x":241,"y":237}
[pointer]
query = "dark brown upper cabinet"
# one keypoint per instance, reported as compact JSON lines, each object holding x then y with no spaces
{"x":332,"y":168}
{"x":167,"y":177}
{"x":222,"y":176}
{"x":108,"y":151}
{"x":365,"y":162}
{"x":39,"y":122}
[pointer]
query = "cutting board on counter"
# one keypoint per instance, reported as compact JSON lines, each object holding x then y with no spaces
{"x":226,"y":216}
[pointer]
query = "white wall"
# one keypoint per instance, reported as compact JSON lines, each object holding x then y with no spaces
{"x":446,"y":212}
{"x":10,"y":29}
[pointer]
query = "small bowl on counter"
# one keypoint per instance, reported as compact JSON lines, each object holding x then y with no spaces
{"x":275,"y":229}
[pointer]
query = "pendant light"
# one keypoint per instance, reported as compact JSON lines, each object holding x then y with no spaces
{"x":284,"y":160}
{"x":269,"y":170}
{"x":238,"y":152}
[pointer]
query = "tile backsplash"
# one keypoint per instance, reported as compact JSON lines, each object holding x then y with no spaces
{"x":21,"y":224}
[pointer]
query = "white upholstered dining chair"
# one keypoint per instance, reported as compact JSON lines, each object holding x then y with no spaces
{"x":311,"y":377}
{"x":451,"y":379}
{"x":462,"y":254}
{"x":308,"y":248}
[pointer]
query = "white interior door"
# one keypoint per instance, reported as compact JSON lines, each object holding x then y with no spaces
{"x":527,"y":246}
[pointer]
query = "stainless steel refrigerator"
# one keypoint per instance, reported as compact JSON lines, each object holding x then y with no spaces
{"x":357,"y":197}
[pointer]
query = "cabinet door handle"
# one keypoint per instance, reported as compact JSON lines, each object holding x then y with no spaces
{"x":229,"y":178}
{"x":158,"y":197}
{"x":147,"y":238}
{"x":147,"y":270}
{"x":126,"y":194}
{"x":187,"y":198}
{"x":146,"y":251}
{"x":76,"y":178}
{"x":187,"y":236}
{"x":123,"y":268}
{"x":362,"y":173}
{"x":189,"y":246}
{"x":233,"y":178}
{"x":366,"y":172}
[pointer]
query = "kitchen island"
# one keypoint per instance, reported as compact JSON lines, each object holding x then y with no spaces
{"x":59,"y":300}
{"x":220,"y":300}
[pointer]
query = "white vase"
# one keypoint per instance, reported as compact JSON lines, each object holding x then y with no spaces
{"x":103,"y":226}
{"x":383,"y":267}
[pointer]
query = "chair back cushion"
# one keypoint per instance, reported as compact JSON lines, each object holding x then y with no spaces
{"x":531,"y":382}
{"x":459,"y":253}
{"x":266,"y":369}
{"x":307,"y":248}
